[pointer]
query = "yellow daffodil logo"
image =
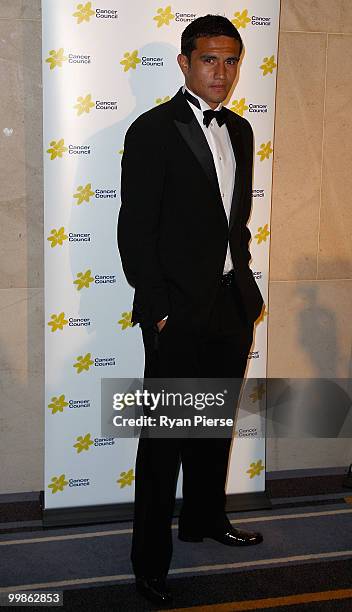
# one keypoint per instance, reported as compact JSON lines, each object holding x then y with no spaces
{"x":164,"y":16}
{"x":239,"y":106}
{"x":58,"y":483}
{"x":83,"y":363}
{"x":57,"y":404}
{"x":126,"y":478}
{"x":257,"y":393}
{"x":265,"y":150}
{"x":121,"y":152}
{"x":83,"y":443}
{"x":130,"y":60}
{"x":57,"y":321}
{"x":268,"y":65}
{"x":57,"y":237}
{"x":84,"y":12}
{"x":125,"y":321}
{"x":262,"y":234}
{"x":83,"y":194}
{"x":262,"y":315}
{"x":56,"y":58}
{"x":241,"y":19}
{"x":83,"y":280}
{"x":84,"y":105}
{"x":162,"y":100}
{"x":57,"y":148}
{"x":255,"y":468}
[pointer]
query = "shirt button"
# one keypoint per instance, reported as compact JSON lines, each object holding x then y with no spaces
{"x":220,"y":157}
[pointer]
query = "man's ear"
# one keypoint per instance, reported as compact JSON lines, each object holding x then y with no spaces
{"x":183,"y":62}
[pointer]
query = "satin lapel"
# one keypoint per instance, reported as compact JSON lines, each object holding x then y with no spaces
{"x":237,"y":145}
{"x":192,"y":133}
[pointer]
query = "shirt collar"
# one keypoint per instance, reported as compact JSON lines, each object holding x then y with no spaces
{"x":203,"y":105}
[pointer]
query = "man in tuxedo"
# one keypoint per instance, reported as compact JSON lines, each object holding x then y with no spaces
{"x":184,"y":243}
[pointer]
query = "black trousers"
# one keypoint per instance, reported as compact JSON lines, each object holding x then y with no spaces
{"x":220,"y":351}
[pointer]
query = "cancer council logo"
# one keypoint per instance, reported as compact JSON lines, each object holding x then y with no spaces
{"x":126,"y":320}
{"x":57,"y":321}
{"x":239,"y":106}
{"x":126,"y":478}
{"x":255,"y":468}
{"x":58,"y":483}
{"x":84,"y":12}
{"x":57,"y":148}
{"x":268,"y":65}
{"x":262,"y":233}
{"x":262,"y":316}
{"x":241,"y":19}
{"x":257,"y":393}
{"x":56,"y":58}
{"x":265,"y":150}
{"x":83,"y":363}
{"x":83,"y":193}
{"x":57,"y":404}
{"x":84,"y":104}
{"x":57,"y":237}
{"x":83,"y":443}
{"x":84,"y":279}
{"x":164,"y":16}
{"x":130,"y":60}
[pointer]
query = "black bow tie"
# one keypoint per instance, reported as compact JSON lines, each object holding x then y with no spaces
{"x":219,"y":115}
{"x":208,"y":115}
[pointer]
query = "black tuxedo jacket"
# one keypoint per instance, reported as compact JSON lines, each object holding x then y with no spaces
{"x":173,"y":230}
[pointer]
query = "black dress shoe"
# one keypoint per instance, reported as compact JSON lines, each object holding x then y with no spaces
{"x":228,"y":535}
{"x":235,"y":537}
{"x":153,"y":589}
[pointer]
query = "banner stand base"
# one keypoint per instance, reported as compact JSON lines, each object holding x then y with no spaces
{"x":347,"y":481}
{"x":113,"y":513}
{"x":241,"y":502}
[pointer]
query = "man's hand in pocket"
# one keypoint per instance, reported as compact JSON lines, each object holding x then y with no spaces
{"x":161,"y":324}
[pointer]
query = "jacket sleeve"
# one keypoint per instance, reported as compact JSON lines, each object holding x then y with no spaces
{"x":246,"y":236}
{"x":254,"y":296}
{"x":142,"y":184}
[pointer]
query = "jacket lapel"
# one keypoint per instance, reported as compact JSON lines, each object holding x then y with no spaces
{"x":190,"y":130}
{"x":194,"y":137}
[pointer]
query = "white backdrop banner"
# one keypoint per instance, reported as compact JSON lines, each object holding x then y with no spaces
{"x":104,"y":63}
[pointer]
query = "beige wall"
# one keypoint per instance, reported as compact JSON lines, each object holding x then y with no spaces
{"x":311,"y":248}
{"x":21,"y":247}
{"x":310,"y":288}
{"x":310,"y":296}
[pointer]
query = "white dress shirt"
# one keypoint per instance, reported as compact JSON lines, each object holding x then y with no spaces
{"x":225,"y":164}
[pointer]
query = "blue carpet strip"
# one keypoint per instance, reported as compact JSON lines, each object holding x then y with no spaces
{"x":295,"y":529}
{"x":70,"y":554}
{"x":225,"y":587}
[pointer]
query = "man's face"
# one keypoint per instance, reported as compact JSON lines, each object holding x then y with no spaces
{"x":212,"y":69}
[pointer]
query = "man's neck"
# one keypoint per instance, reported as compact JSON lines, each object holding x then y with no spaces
{"x":203,"y":105}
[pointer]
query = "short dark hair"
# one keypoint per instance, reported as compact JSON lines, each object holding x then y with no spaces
{"x":207,"y":26}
